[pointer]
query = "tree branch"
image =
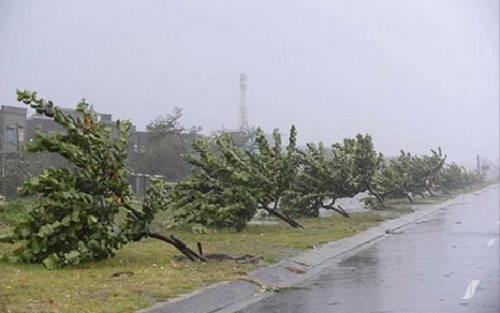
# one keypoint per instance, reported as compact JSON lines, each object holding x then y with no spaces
{"x":407,"y":195}
{"x":138,"y":214}
{"x":177,"y":243}
{"x":429,"y":191}
{"x":379,"y":197}
{"x":282,"y":217}
{"x":339,"y":210}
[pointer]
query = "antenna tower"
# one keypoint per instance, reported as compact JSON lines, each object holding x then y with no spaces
{"x":243,"y":102}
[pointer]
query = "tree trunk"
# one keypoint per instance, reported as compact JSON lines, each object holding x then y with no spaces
{"x":138,"y":214}
{"x":177,"y":243}
{"x":420,"y":194}
{"x":274,"y":211}
{"x":339,"y":210}
{"x":430,"y":191}
{"x":379,"y":198}
{"x":284,"y":218}
{"x":407,"y":195}
{"x":444,"y":190}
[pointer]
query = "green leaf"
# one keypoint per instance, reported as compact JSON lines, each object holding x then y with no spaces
{"x":27,"y":255}
{"x":93,"y":244}
{"x":25,"y":232}
{"x":35,"y":246}
{"x":73,"y":257}
{"x":51,"y":262}
{"x":66,"y":220}
{"x":20,"y":95}
{"x":75,"y":216}
{"x":82,"y":247}
{"x":91,"y":219}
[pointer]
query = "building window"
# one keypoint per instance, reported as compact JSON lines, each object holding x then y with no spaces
{"x":9,"y":134}
{"x":20,"y":134}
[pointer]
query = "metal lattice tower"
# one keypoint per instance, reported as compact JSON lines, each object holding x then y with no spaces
{"x":243,"y":102}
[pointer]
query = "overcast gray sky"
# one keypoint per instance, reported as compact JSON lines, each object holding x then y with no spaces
{"x":414,"y":74}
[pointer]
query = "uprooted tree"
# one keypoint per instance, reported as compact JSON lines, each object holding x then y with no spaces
{"x":74,"y":218}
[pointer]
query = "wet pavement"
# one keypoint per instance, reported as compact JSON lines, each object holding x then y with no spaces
{"x":448,"y":262}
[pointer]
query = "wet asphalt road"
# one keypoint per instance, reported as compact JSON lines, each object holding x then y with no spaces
{"x":448,"y":262}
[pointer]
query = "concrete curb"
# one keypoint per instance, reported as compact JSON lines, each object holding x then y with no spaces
{"x":208,"y":299}
{"x":291,"y":271}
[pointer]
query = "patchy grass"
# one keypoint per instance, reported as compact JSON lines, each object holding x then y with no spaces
{"x":418,"y":200}
{"x":146,"y":273}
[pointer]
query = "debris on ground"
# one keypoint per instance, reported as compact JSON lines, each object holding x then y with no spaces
{"x":221,"y":257}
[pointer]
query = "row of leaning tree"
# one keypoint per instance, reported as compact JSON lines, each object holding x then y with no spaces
{"x":74,"y":216}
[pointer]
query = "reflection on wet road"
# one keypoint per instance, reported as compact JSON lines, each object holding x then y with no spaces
{"x":447,"y":263}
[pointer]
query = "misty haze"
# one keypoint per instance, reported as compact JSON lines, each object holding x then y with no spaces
{"x":413,"y":74}
{"x":315,"y":156}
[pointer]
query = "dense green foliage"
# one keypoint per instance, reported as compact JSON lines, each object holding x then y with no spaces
{"x":275,"y":171}
{"x":74,"y":217}
{"x":425,"y":171}
{"x":228,"y":183}
{"x":409,"y":175}
{"x":219,"y":192}
{"x":315,"y":183}
{"x":454,"y":177}
{"x":322,"y":180}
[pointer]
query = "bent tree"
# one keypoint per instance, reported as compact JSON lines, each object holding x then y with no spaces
{"x":218,"y":193}
{"x":425,"y":171}
{"x":454,"y":176}
{"x":228,"y":183}
{"x":322,"y":181}
{"x":367,"y":163}
{"x":395,"y":178}
{"x":74,"y":216}
{"x":277,"y":168}
{"x":317,"y":183}
{"x":407,"y":175}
